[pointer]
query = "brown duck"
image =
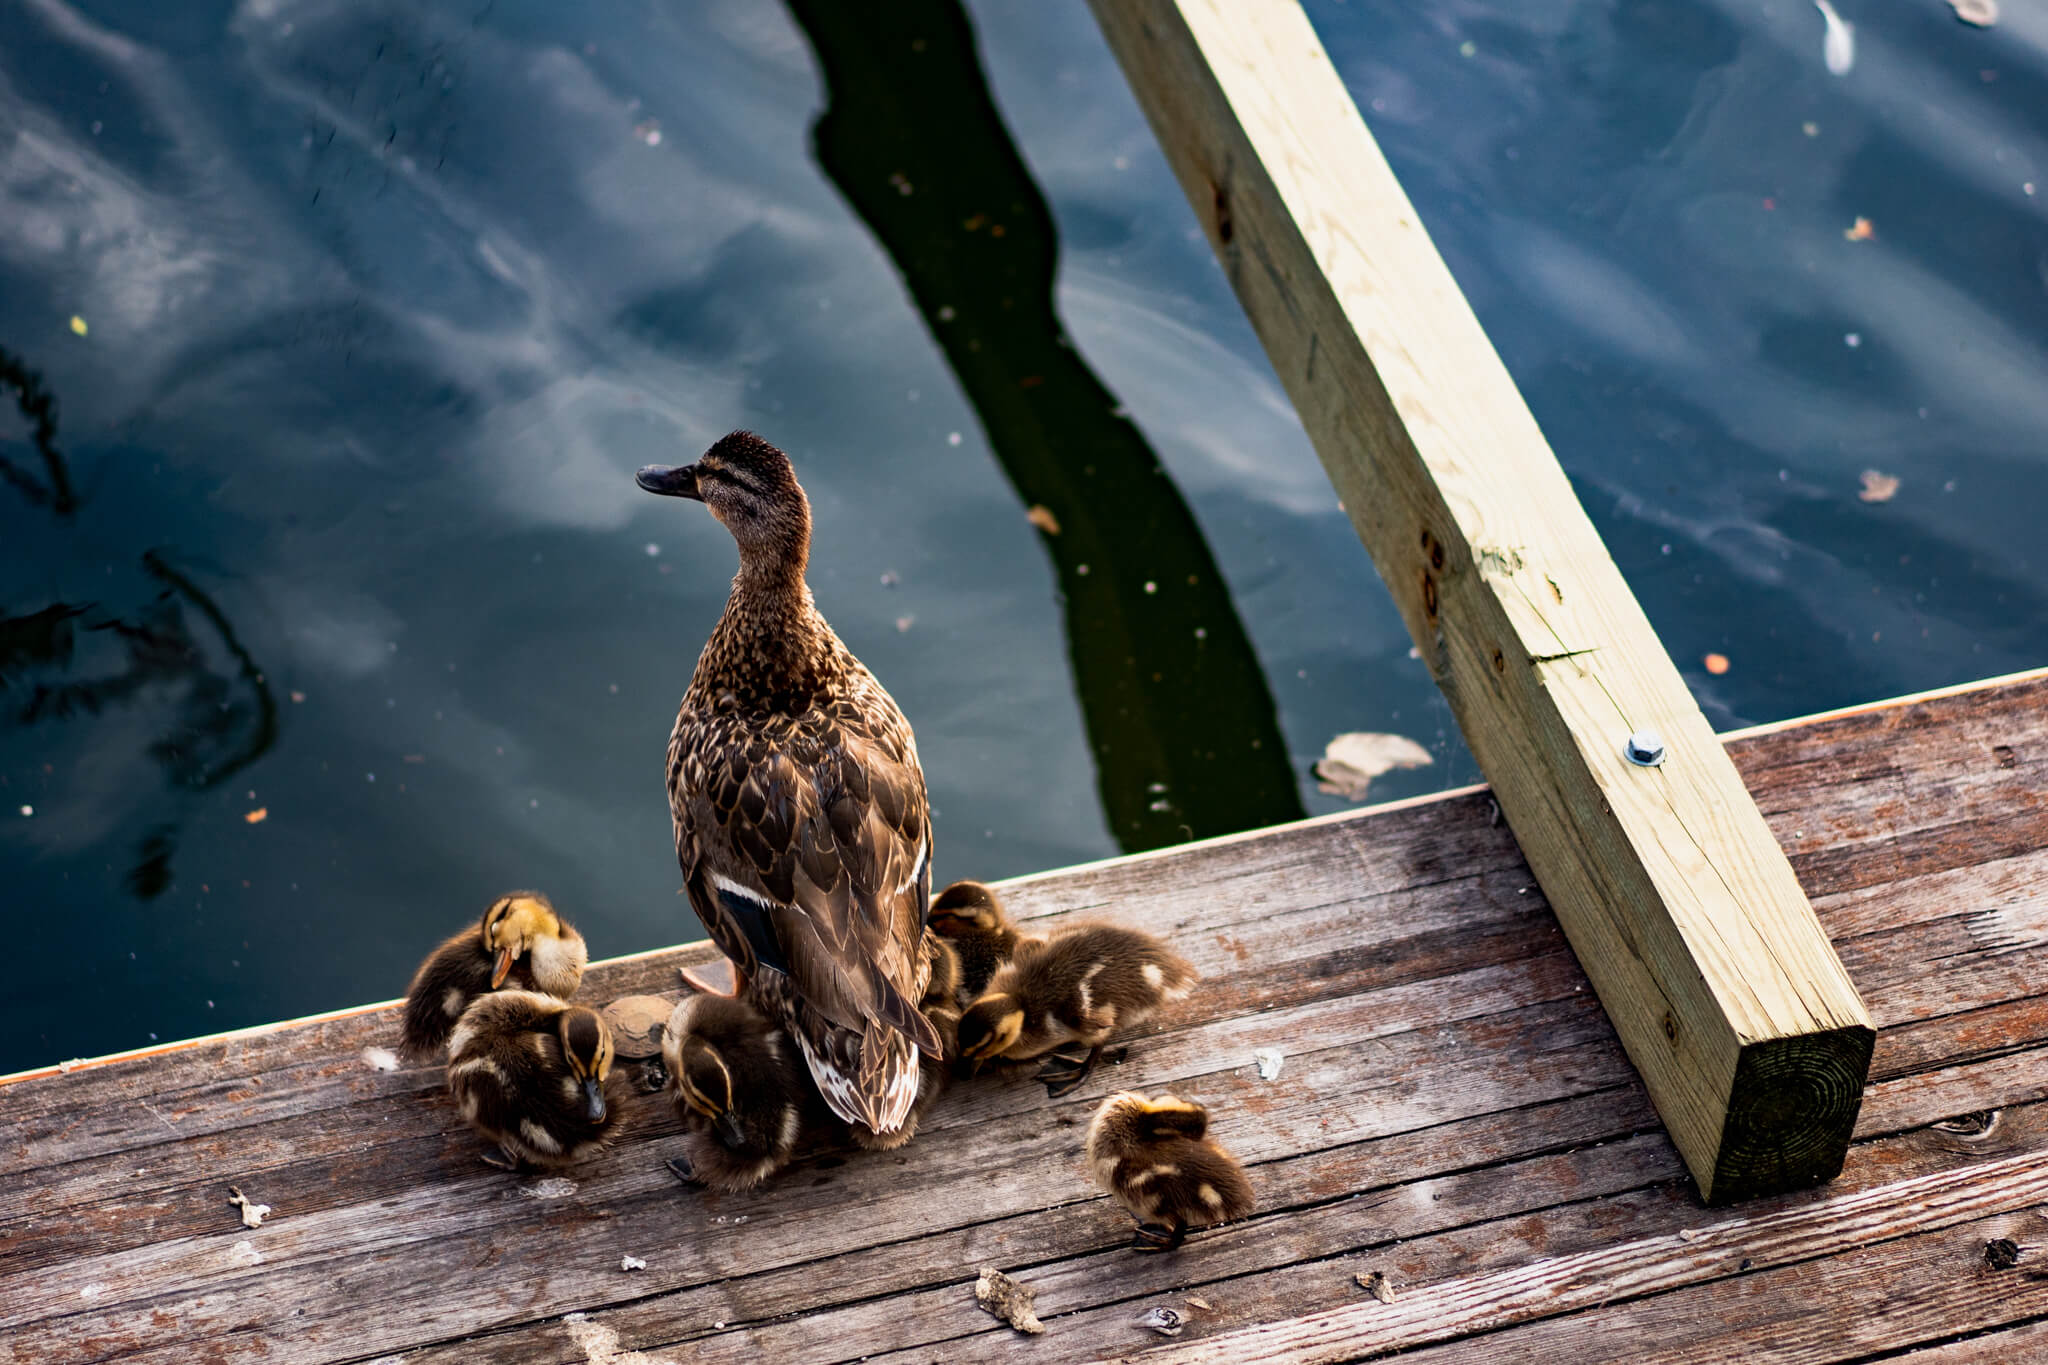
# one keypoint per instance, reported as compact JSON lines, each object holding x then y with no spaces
{"x":799,"y":806}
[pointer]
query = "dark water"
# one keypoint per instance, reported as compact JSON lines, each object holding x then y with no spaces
{"x":331,"y":513}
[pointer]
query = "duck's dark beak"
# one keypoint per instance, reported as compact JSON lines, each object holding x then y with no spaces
{"x":502,"y":969}
{"x":728,"y":1129}
{"x":674,"y":481}
{"x":593,"y":1100}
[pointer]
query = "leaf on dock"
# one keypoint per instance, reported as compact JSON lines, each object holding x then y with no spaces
{"x":1351,"y":761}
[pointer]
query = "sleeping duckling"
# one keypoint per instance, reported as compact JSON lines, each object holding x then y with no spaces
{"x":971,"y":920}
{"x":1156,"y":1157}
{"x":1079,"y":986}
{"x":933,"y":1073}
{"x":535,"y":1076}
{"x":520,"y":937}
{"x":742,"y":1088}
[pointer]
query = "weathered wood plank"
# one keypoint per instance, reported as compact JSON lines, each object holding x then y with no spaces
{"x":1458,"y":1308}
{"x":1441,"y":1069}
{"x":1682,"y":908}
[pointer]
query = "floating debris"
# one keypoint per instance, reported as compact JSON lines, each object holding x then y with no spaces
{"x":1006,"y":1299}
{"x":1878,"y":487}
{"x":648,"y":131}
{"x":1269,"y":1060}
{"x":1351,"y":761}
{"x":1982,"y":13}
{"x":554,"y":1187}
{"x":381,"y":1058}
{"x":1165,"y":1321}
{"x":253,"y":1213}
{"x":904,"y":623}
{"x":1041,"y":516}
{"x":1862,"y":230}
{"x":1838,"y":48}
{"x":1716,"y":664}
{"x":631,"y":1263}
{"x":77,"y":325}
{"x":637,"y":1022}
{"x":298,"y":698}
{"x":257,"y":816}
{"x":1377,"y":1284}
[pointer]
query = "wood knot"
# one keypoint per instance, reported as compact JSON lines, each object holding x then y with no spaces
{"x":2001,"y":1253}
{"x":1224,"y":230}
{"x":2005,"y":756}
{"x":1429,"y":595}
{"x":1500,"y":662}
{"x":1670,"y":1026}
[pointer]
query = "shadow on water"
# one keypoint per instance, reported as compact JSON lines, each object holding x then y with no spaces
{"x":1179,"y":717}
{"x":224,"y":718}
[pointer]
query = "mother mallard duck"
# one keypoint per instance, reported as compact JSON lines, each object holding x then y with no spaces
{"x":800,"y":815}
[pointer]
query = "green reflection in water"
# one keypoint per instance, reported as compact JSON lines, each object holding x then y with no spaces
{"x":1179,"y":717}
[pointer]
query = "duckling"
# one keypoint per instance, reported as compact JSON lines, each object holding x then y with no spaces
{"x":933,"y":1073}
{"x":971,"y":920}
{"x":943,"y":990}
{"x":742,"y":1089}
{"x":520,"y":938}
{"x":1156,"y":1157}
{"x":535,"y":1076}
{"x":1079,"y":986}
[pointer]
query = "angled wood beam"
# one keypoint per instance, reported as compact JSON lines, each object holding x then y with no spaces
{"x":1681,"y":907}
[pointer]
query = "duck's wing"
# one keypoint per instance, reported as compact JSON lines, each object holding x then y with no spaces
{"x":806,"y":850}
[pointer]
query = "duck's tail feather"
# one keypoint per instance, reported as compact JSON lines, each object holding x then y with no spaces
{"x":869,"y":1078}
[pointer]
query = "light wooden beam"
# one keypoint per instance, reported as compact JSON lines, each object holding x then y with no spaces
{"x":1677,"y":900}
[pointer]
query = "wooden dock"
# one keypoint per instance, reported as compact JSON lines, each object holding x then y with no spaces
{"x":1453,"y":1110}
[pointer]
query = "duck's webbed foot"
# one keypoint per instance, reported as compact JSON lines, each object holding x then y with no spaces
{"x":1159,"y":1236}
{"x":713,"y":978}
{"x":681,"y":1169}
{"x":501,"y":1159}
{"x":1063,"y":1073}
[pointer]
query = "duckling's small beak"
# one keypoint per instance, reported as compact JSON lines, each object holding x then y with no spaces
{"x":674,"y":481}
{"x":728,"y":1129}
{"x":503,"y":968}
{"x":593,"y":1100}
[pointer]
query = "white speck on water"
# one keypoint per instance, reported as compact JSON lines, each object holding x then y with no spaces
{"x":381,"y":1058}
{"x":369,"y":777}
{"x":614,"y":688}
{"x":946,"y":313}
{"x":652,"y":549}
{"x":534,"y":804}
{"x":631,"y":1263}
{"x":1269,"y":1060}
{"x":1162,"y":804}
{"x":952,"y":438}
{"x":27,"y":811}
{"x":1122,"y":163}
{"x":1150,"y":586}
{"x":1081,"y":570}
{"x":1838,"y":47}
{"x":1201,"y":632}
{"x":1852,"y":340}
{"x":2028,"y":189}
{"x":554,"y":1187}
{"x":244,"y":1252}
{"x":1664,"y":549}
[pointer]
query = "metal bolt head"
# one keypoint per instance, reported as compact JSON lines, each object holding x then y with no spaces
{"x":1645,"y":749}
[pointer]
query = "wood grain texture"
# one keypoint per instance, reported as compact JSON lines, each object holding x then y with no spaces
{"x":1682,"y":909}
{"x":1453,"y":1108}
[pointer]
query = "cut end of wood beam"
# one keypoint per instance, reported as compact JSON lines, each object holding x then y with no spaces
{"x":1790,"y":1114}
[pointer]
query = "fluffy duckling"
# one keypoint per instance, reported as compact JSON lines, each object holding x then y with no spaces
{"x":520,"y":938}
{"x":535,"y":1076}
{"x":933,"y":1074}
{"x":943,"y":990}
{"x":969,"y":918}
{"x":742,"y":1088}
{"x":1156,"y":1157}
{"x":1078,"y":986}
